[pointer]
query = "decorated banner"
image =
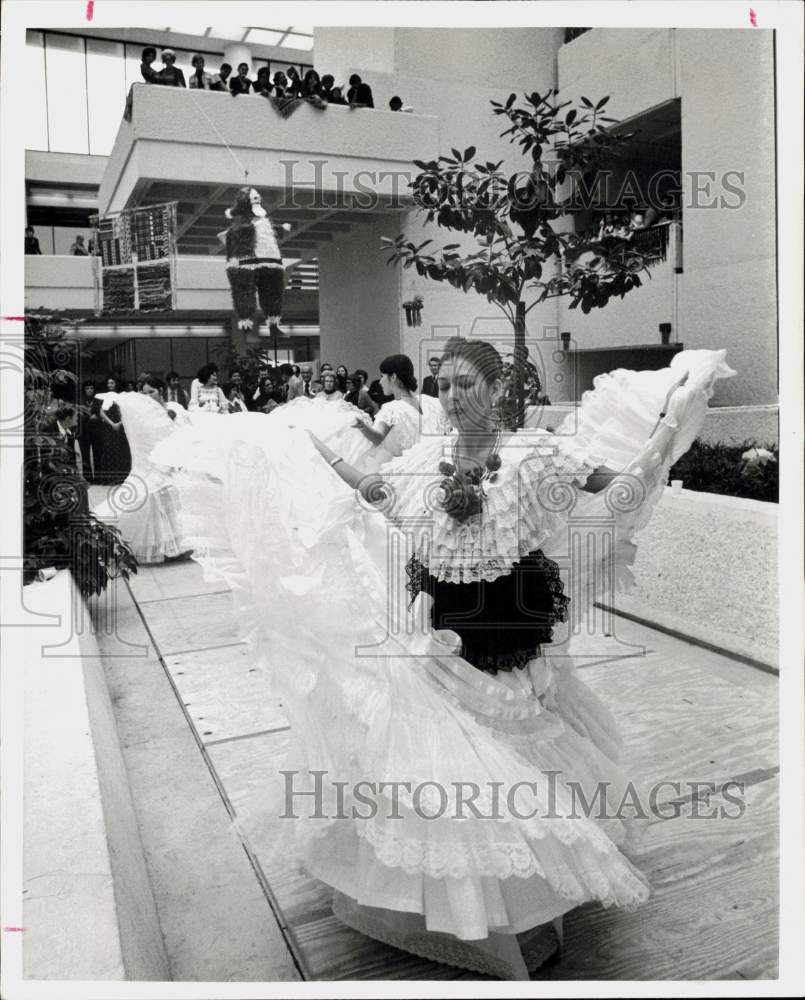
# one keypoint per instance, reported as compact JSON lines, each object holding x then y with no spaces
{"x":135,"y":260}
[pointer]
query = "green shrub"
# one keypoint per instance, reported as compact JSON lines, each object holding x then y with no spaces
{"x":59,"y":529}
{"x":722,"y":468}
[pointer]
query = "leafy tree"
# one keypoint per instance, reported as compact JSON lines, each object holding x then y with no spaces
{"x":520,"y":248}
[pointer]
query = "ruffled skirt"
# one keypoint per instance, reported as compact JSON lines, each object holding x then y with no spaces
{"x":451,"y":801}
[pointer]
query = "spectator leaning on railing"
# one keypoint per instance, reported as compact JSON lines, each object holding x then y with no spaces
{"x":263,"y":85}
{"x":170,"y":75}
{"x":220,"y":80}
{"x":317,"y":90}
{"x":148,"y":58}
{"x":241,"y":84}
{"x":359,"y":94}
{"x":199,"y":79}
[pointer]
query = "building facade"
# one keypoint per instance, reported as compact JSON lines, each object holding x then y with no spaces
{"x":698,"y":107}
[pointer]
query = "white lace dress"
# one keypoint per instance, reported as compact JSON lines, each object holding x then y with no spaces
{"x":406,"y":426}
{"x":145,"y":507}
{"x":378,"y":696}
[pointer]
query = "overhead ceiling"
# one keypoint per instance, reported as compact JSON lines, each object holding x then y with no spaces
{"x":201,"y":217}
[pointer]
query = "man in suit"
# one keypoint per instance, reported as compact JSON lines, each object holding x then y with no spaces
{"x":174,"y":393}
{"x":430,"y":384}
{"x":66,"y":497}
{"x":62,"y":430}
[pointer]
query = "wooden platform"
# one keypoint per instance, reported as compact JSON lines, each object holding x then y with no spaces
{"x":687,"y":714}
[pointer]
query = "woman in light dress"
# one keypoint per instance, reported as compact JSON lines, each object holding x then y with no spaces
{"x":402,"y":422}
{"x":410,"y":638}
{"x":145,"y":507}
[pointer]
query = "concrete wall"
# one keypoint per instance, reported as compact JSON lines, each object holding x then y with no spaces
{"x":206,"y":137}
{"x":59,"y":282}
{"x":359,"y":297}
{"x":452,"y":74}
{"x":722,"y":424}
{"x":88,"y":908}
{"x":706,"y":567}
{"x":726,"y":296}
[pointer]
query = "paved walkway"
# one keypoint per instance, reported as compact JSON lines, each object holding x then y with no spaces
{"x":198,"y":733}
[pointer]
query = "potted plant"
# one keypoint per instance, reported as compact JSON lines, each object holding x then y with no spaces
{"x":413,"y":311}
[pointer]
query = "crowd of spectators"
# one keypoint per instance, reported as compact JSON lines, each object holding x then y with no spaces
{"x":269,"y":388}
{"x":318,"y":90}
{"x":97,"y":441}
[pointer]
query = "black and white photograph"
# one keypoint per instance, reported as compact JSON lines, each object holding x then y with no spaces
{"x":401,"y":455}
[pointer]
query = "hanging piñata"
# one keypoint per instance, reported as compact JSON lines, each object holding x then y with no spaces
{"x":254,"y":262}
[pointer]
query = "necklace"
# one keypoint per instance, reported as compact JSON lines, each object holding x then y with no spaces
{"x":463,"y":491}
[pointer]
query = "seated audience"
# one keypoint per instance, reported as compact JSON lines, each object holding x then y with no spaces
{"x":365,"y":401}
{"x":148,"y":57}
{"x":199,"y":79}
{"x":377,"y":394}
{"x":220,"y":80}
{"x":269,"y":397}
{"x":335,"y":97}
{"x":234,"y":395}
{"x":296,"y":386}
{"x":241,"y":84}
{"x":174,"y":393}
{"x":341,"y":374}
{"x":170,"y":75}
{"x":330,"y":392}
{"x":206,"y":394}
{"x":78,"y":249}
{"x":306,"y":375}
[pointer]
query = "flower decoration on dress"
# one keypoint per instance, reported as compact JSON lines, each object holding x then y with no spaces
{"x":463,"y":491}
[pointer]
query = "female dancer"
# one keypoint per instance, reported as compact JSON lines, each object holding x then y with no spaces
{"x":403,"y":714}
{"x":401,"y":422}
{"x":110,"y":446}
{"x":145,"y":506}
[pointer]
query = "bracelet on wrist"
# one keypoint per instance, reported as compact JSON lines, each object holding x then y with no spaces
{"x":335,"y":461}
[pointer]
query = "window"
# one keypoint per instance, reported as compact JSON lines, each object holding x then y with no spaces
{"x":36,"y":107}
{"x":106,"y":93}
{"x":66,"y":94}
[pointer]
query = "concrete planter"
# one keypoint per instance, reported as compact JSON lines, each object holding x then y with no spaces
{"x":88,"y":909}
{"x":706,"y":567}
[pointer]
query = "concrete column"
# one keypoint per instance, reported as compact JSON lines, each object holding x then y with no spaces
{"x":359,"y":296}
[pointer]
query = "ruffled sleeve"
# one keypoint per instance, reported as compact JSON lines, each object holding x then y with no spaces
{"x":388,"y":415}
{"x":528,"y":501}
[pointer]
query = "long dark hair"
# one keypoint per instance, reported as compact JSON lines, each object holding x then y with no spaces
{"x":401,"y":366}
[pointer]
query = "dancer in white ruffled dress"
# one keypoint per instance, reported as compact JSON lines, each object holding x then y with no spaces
{"x":401,"y":422}
{"x":402,"y":697}
{"x":145,"y":506}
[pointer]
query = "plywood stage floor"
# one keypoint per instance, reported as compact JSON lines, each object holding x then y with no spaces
{"x":198,"y":736}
